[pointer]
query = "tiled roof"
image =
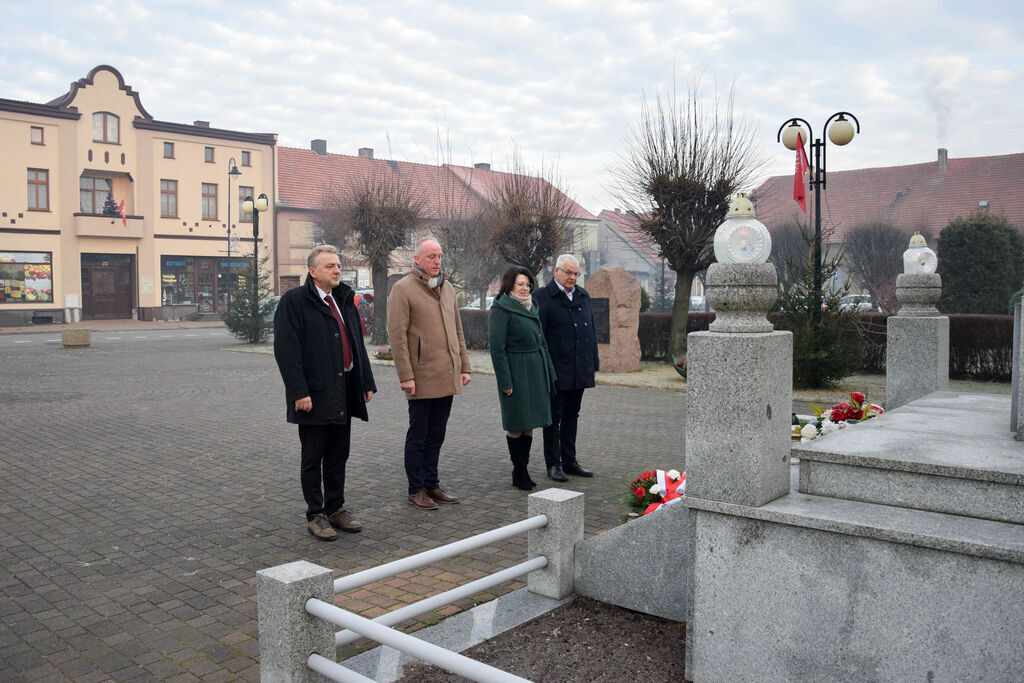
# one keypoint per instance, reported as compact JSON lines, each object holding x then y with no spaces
{"x":304,"y":178}
{"x":917,"y":196}
{"x":626,"y":225}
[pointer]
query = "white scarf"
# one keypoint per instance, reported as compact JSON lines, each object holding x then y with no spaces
{"x":526,"y":301}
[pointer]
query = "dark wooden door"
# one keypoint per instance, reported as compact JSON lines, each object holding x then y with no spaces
{"x":106,"y":291}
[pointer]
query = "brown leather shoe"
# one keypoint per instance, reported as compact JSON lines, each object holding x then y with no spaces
{"x":321,"y":529}
{"x":343,"y":520}
{"x":441,"y":497}
{"x":421,"y":500}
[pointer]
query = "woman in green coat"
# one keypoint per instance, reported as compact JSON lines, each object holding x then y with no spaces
{"x":522,"y":368}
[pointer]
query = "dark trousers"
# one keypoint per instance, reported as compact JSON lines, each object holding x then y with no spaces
{"x":324,"y":454}
{"x":428,"y":421}
{"x":560,"y":435}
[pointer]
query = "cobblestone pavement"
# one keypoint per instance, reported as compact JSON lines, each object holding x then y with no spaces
{"x":142,"y":485}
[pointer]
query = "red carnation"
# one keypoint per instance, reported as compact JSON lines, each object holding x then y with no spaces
{"x":858,"y":397}
{"x":640,"y":492}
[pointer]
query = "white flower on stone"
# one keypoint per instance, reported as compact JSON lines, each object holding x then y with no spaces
{"x":828,"y":426}
{"x":808,"y":431}
{"x":672,"y":474}
{"x":654,"y":490}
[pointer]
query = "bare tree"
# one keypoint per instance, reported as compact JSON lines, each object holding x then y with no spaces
{"x":790,"y":247}
{"x":375,"y":215}
{"x":874,"y":256}
{"x":469,"y":260}
{"x":683,"y":162}
{"x":530,"y":217}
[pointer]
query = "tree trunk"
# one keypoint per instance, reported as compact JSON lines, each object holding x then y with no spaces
{"x":483,"y":299}
{"x":380,"y":304}
{"x":680,"y":313}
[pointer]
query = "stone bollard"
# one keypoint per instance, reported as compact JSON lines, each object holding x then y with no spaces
{"x":917,"y":348}
{"x":556,"y":541}
{"x":288,"y":633}
{"x":739,"y":392}
{"x":75,"y":336}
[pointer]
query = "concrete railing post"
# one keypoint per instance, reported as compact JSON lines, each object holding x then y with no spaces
{"x":556,"y":541}
{"x":917,"y":345}
{"x":288,"y":634}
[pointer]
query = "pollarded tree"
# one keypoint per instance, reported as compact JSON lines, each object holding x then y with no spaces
{"x":981,"y":260}
{"x":874,"y":257}
{"x":530,"y":217}
{"x":682,"y":164}
{"x":375,"y":215}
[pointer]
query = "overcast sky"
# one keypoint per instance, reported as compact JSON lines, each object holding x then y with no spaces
{"x":562,"y":80}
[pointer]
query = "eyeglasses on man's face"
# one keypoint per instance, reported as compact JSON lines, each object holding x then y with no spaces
{"x":570,"y":273}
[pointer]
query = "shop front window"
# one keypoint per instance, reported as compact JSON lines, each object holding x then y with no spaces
{"x":26,"y":277}
{"x":177,"y":280}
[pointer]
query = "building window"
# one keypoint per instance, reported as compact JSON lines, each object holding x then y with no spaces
{"x":245,"y":158}
{"x":209,"y":201}
{"x":106,"y":127}
{"x":177,"y":280}
{"x":168,"y":150}
{"x":168,"y":199}
{"x":92,"y":192}
{"x":243,"y":215}
{"x":208,"y":154}
{"x":38,"y":189}
{"x":26,"y":276}
{"x":37,"y":135}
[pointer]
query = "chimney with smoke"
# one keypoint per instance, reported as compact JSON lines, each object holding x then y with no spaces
{"x":366,"y":152}
{"x":319,"y":146}
{"x":943,"y":160}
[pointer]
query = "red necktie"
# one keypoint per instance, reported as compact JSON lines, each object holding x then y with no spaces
{"x":346,"y":349}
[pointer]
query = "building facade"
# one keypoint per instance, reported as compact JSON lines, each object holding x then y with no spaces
{"x":106,"y":212}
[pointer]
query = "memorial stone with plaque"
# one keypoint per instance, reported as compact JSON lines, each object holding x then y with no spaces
{"x":615,"y":300}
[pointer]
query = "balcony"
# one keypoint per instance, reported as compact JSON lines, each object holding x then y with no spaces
{"x":99,"y":225}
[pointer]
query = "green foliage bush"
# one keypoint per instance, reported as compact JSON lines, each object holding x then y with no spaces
{"x":981,"y":260}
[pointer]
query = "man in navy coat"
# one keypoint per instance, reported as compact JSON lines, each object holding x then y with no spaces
{"x":318,"y":344}
{"x":568,"y":322}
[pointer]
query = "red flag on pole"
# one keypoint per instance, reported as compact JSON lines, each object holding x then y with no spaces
{"x":124,"y":216}
{"x":799,"y":191}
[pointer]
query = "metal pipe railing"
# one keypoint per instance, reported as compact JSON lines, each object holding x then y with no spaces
{"x":334,"y":671}
{"x":428,"y":652}
{"x":386,"y":571}
{"x":447,"y":597}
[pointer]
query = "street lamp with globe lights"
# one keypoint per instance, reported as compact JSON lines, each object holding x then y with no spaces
{"x":256,"y":207}
{"x":232,"y":172}
{"x":792,"y":134}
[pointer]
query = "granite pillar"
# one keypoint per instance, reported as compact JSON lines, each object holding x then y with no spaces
{"x":288,"y":633}
{"x":556,"y":541}
{"x":917,"y":354}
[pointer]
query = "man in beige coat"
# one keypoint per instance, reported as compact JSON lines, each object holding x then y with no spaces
{"x":425,"y":331}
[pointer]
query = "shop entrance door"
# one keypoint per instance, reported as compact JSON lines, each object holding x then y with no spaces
{"x":206,"y":285}
{"x":107,"y":286}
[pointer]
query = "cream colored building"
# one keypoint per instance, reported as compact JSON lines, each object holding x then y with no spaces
{"x":62,"y":256}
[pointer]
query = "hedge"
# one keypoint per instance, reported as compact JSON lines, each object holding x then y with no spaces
{"x":980,"y":346}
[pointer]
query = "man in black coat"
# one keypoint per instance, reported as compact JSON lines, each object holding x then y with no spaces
{"x":568,"y":322}
{"x":318,"y":344}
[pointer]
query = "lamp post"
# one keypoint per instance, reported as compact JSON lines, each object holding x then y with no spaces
{"x":256,"y":207}
{"x":793,"y":135}
{"x":232,"y":171}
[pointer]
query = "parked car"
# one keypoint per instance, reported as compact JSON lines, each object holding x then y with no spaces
{"x":475,"y":304}
{"x":859,"y":303}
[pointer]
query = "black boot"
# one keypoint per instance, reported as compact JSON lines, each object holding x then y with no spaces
{"x":526,"y":443}
{"x":518,"y":470}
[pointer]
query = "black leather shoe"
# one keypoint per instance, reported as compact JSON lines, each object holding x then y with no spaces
{"x":577,"y":469}
{"x":557,"y":474}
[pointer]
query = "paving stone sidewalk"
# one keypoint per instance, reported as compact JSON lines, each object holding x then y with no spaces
{"x":142,"y":486}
